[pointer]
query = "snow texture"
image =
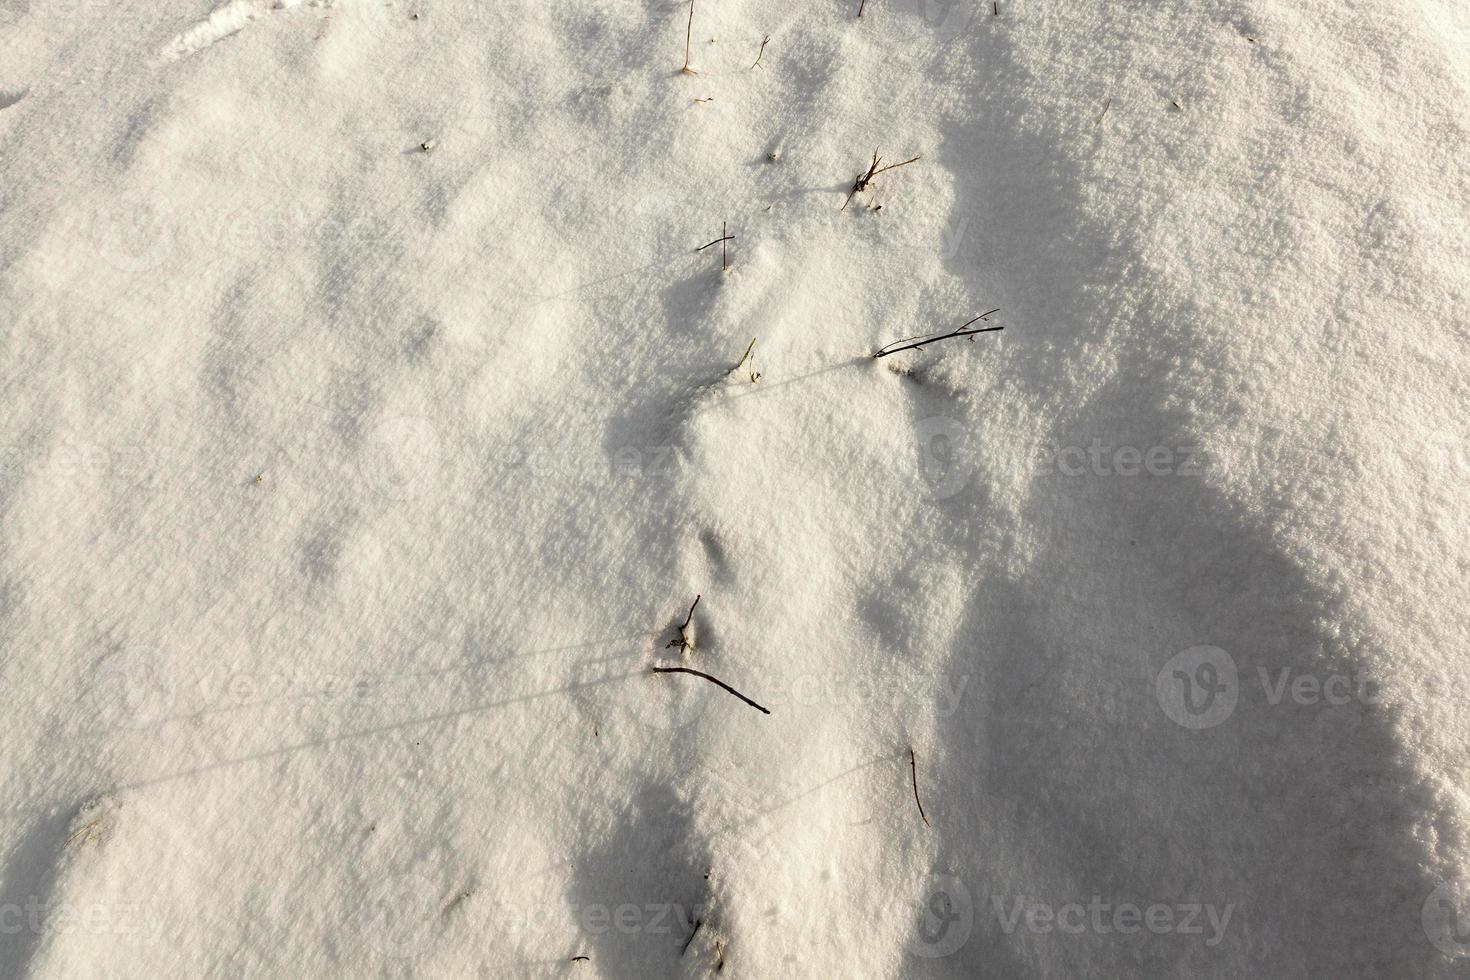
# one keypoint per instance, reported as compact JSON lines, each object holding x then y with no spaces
{"x":351,"y":488}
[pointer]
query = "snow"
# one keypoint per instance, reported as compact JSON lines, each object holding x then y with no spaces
{"x":351,"y":489}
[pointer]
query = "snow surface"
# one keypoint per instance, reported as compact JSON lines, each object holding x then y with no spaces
{"x":350,"y":489}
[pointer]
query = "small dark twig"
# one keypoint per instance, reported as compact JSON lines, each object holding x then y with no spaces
{"x":864,"y":179}
{"x":914,"y":768}
{"x":761,"y":53}
{"x":1106,"y":106}
{"x":580,"y":959}
{"x":861,"y":5}
{"x":712,"y":680}
{"x":697,"y":924}
{"x":918,"y":343}
{"x":724,"y":237}
{"x":682,"y":640}
{"x":688,"y":32}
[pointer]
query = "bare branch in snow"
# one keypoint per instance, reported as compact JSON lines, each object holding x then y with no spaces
{"x":917,"y":343}
{"x":712,"y":680}
{"x":864,"y":179}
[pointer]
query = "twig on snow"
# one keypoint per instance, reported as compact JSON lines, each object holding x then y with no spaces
{"x":682,"y":640}
{"x":688,"y":32}
{"x":864,"y":179}
{"x":911,"y":343}
{"x":761,"y":53}
{"x":914,"y":769}
{"x":697,"y":924}
{"x":754,"y":374}
{"x":713,"y":680}
{"x":725,"y":236}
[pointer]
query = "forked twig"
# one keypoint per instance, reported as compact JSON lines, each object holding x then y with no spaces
{"x":864,"y":179}
{"x":912,"y":343}
{"x":761,"y":53}
{"x":682,"y":640}
{"x":712,"y":680}
{"x":914,"y":768}
{"x":754,"y":374}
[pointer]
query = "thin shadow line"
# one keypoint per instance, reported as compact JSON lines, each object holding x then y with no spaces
{"x":736,"y":824}
{"x":365,"y":733}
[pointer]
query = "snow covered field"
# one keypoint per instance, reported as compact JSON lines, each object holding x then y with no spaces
{"x":369,"y":429}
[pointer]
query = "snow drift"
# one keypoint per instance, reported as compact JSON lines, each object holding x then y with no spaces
{"x":351,"y":488}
